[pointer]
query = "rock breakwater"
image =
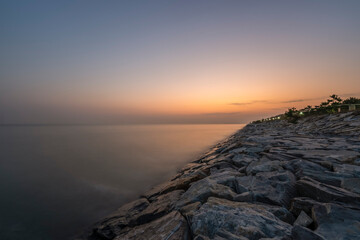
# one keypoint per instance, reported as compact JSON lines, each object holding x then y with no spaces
{"x":271,"y":180}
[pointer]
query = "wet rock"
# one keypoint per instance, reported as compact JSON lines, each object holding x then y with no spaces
{"x":270,"y":187}
{"x":240,"y":219}
{"x":336,"y":222}
{"x":308,"y":187}
{"x":301,"y":233}
{"x":303,"y":220}
{"x":172,"y":226}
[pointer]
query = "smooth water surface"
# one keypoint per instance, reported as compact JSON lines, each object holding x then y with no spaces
{"x":56,"y":180}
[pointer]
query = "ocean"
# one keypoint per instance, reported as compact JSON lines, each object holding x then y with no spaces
{"x":57,"y":180}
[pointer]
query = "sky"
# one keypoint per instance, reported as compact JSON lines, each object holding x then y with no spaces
{"x":202,"y":61}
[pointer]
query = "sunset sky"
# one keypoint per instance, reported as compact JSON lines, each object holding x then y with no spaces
{"x":173,"y":61}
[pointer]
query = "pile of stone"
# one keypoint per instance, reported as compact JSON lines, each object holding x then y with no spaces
{"x":271,"y":180}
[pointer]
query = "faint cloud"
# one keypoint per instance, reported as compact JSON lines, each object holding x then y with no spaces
{"x":295,"y":100}
{"x":248,"y":103}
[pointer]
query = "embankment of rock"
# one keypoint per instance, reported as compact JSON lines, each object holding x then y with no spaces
{"x":272,"y":180}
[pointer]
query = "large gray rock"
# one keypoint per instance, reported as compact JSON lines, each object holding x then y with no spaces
{"x":336,"y":222}
{"x":305,"y":204}
{"x":351,"y":184}
{"x":329,"y":154}
{"x":301,"y":233}
{"x":201,"y":190}
{"x":264,"y":165}
{"x":172,"y":226}
{"x":181,"y":183}
{"x":269,"y":187}
{"x":136,"y":213}
{"x":243,"y":160}
{"x":114,"y":224}
{"x":239,"y":219}
{"x":350,"y":169}
{"x":303,"y":220}
{"x":159,"y":207}
{"x":308,"y":187}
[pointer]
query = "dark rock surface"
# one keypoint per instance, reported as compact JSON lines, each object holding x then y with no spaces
{"x":271,"y":180}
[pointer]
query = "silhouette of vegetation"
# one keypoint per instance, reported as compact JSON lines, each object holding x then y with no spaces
{"x":332,"y":105}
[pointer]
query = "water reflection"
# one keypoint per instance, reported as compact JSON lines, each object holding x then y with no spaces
{"x":55,"y":180}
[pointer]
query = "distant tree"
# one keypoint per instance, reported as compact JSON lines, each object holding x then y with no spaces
{"x":351,"y":100}
{"x":335,"y":99}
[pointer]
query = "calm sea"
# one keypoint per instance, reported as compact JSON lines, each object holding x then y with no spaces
{"x":56,"y":180}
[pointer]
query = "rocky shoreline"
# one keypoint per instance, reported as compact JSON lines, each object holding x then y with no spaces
{"x":270,"y":180}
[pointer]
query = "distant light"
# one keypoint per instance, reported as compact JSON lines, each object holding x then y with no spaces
{"x":301,"y":113}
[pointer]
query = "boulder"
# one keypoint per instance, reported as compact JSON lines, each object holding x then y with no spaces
{"x":303,"y":220}
{"x":201,"y":190}
{"x":350,"y":169}
{"x":239,"y":219}
{"x":264,"y":165}
{"x":172,"y":226}
{"x":351,"y":184}
{"x":305,"y":204}
{"x":269,"y":187}
{"x":180,"y":183}
{"x":119,"y":220}
{"x":308,"y":187}
{"x":159,"y":207}
{"x":336,"y":222}
{"x":301,"y":233}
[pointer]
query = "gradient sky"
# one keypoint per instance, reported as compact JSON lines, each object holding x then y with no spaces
{"x":173,"y":61}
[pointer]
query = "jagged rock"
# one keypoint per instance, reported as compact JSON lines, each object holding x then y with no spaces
{"x":305,"y":204}
{"x":181,"y":183}
{"x":242,"y":160}
{"x":188,"y":210}
{"x":201,"y":190}
{"x":352,"y":170}
{"x":303,"y":220}
{"x":269,"y":187}
{"x":263,"y":166}
{"x":159,"y":207}
{"x":226,"y":177}
{"x":336,"y":222}
{"x":351,"y":184}
{"x":298,"y":166}
{"x":119,"y":220}
{"x":172,"y":226}
{"x":308,"y":187}
{"x":240,"y":219}
{"x":244,"y":197}
{"x":301,"y":233}
{"x":337,"y":155}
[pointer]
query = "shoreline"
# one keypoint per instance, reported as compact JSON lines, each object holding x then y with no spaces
{"x":267,"y":180}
